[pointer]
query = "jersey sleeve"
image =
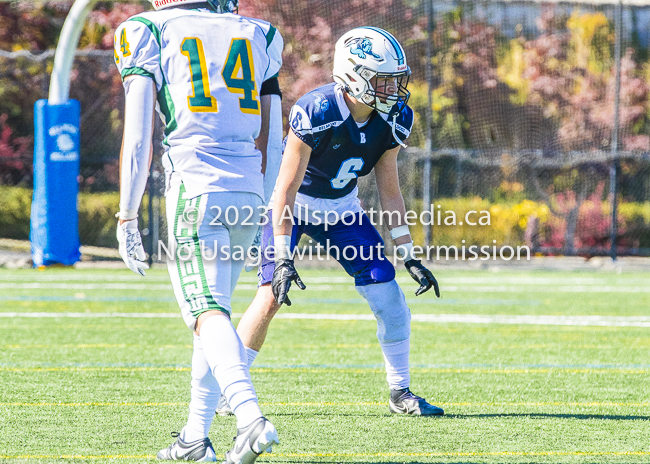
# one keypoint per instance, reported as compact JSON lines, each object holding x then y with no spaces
{"x":403,"y":126}
{"x":312,"y":115}
{"x":274,"y":47}
{"x":137,"y":50}
{"x":301,"y":124}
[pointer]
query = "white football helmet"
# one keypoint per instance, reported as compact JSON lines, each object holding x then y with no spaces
{"x":367,"y":52}
{"x":219,"y":6}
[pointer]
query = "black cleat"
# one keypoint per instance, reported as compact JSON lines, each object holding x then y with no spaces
{"x":199,"y":450}
{"x":405,"y":402}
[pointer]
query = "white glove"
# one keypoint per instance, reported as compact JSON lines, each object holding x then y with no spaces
{"x":131,"y":249}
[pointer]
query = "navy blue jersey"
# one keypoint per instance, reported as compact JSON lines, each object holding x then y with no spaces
{"x":341,"y":151}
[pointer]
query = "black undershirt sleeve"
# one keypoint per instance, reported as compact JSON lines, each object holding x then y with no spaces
{"x":271,"y":87}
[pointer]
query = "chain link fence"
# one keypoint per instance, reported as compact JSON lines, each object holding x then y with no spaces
{"x":537,"y":113}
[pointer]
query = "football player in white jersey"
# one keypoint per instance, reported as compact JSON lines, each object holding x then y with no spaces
{"x":339,"y":132}
{"x":212,"y":76}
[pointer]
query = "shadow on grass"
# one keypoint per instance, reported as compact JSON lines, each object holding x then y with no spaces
{"x":291,"y":461}
{"x":376,"y":462}
{"x":537,"y":415}
{"x":472,"y":416}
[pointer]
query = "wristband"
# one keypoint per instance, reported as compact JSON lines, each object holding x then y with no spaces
{"x":282,"y":246}
{"x":406,"y":251}
{"x":127,"y":214}
{"x":399,"y":231}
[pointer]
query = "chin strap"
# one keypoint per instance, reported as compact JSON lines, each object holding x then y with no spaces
{"x":394,"y":134}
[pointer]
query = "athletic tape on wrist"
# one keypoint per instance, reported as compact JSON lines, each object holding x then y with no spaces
{"x":406,"y":251}
{"x":400,"y":231}
{"x":282,"y":245}
{"x":127,"y":214}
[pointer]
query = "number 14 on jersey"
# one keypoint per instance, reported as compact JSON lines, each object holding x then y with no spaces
{"x":238,"y":75}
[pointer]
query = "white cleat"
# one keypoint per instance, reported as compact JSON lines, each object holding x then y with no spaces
{"x":223,"y":408}
{"x":251,"y":441}
{"x":199,"y":450}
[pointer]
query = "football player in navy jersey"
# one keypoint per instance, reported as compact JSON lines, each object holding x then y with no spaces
{"x":339,"y":132}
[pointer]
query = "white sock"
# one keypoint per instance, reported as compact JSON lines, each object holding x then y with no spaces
{"x":227,"y":358}
{"x":205,"y":395}
{"x":252,"y":354}
{"x":396,"y":357}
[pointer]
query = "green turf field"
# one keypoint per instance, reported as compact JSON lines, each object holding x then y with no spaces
{"x":111,"y":389}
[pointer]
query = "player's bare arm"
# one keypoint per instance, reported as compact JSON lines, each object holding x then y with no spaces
{"x":390,"y":195}
{"x":292,"y":171}
{"x":391,"y":199}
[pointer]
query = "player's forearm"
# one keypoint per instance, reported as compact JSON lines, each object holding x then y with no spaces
{"x":283,"y":212}
{"x":283,"y":220}
{"x":288,"y":184}
{"x":137,"y":149}
{"x":390,"y":196}
{"x":292,"y":172}
{"x":394,"y":210}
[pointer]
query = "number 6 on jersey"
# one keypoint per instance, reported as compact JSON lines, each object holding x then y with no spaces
{"x":347,"y":172}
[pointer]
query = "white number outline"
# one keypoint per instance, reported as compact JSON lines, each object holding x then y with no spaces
{"x":348,"y":168}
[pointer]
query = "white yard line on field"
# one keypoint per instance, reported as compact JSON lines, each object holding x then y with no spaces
{"x":40,"y":277}
{"x":496,"y":288}
{"x":342,"y":279}
{"x":603,"y":321}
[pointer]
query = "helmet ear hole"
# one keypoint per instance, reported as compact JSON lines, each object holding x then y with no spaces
{"x":350,"y":78}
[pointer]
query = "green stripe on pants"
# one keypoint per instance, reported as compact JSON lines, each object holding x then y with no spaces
{"x":190,"y":271}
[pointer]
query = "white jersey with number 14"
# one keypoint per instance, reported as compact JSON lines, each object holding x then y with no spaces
{"x":208,"y":69}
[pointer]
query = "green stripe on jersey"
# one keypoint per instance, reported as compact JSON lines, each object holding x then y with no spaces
{"x":270,"y":35}
{"x":137,"y":72}
{"x":164,"y":97}
{"x":152,"y":27}
{"x":167,"y":108}
{"x":191,"y":271}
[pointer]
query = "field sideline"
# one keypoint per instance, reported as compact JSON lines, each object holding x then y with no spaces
{"x":94,"y":366}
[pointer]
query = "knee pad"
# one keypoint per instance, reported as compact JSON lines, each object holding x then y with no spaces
{"x":388,"y":304}
{"x":366,"y":272}
{"x":380,"y":271}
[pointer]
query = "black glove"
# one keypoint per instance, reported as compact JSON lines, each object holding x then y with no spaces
{"x":421,"y":275}
{"x":283,"y":275}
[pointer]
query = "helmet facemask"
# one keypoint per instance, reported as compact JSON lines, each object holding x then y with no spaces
{"x":381,"y":100}
{"x":225,"y":6}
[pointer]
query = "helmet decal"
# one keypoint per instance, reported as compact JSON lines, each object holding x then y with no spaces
{"x":362,"y":47}
{"x":393,"y":42}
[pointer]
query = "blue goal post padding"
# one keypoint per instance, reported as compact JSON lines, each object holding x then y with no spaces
{"x":54,"y":233}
